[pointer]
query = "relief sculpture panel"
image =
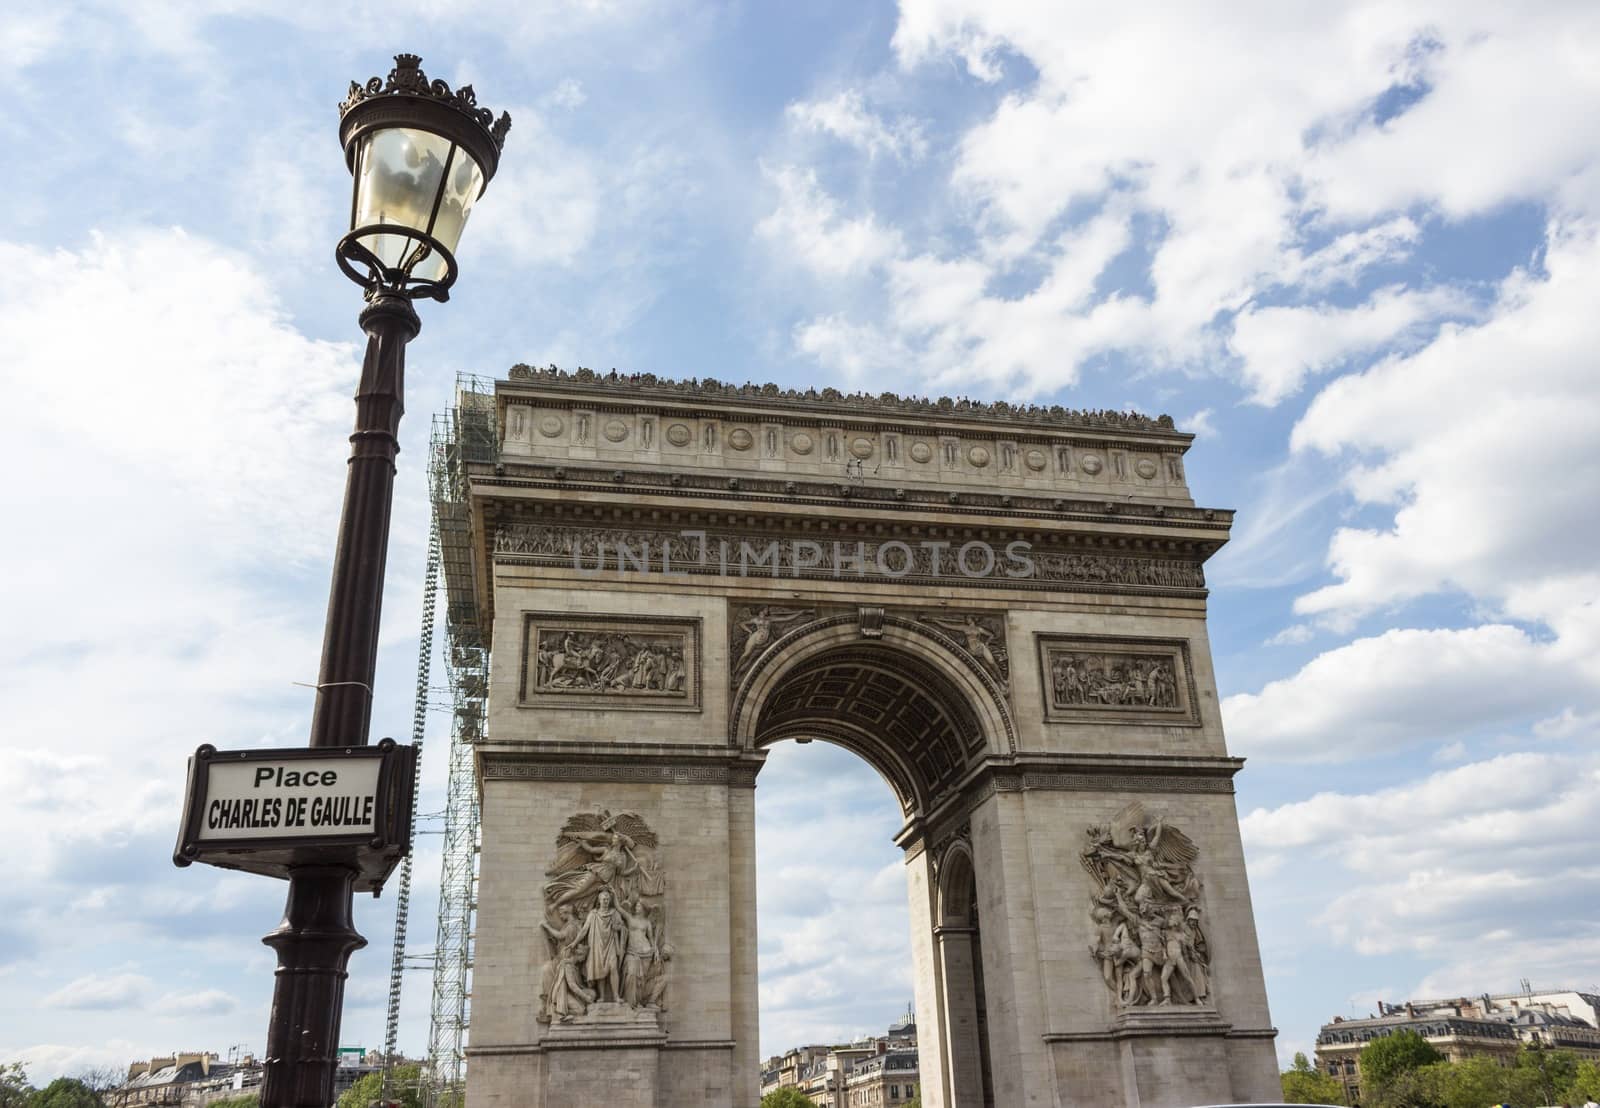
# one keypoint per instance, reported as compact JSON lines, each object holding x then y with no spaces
{"x":604,"y":922}
{"x":1148,"y":933}
{"x":1116,"y":680}
{"x":610,"y":661}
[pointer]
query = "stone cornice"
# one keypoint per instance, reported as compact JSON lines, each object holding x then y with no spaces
{"x":1103,"y":773}
{"x":623,"y":763}
{"x":828,"y":401}
{"x":743,"y":489}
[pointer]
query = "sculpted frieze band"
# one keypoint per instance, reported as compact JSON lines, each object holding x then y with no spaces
{"x":1018,"y":564}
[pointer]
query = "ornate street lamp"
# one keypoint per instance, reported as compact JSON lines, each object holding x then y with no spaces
{"x":421,"y":156}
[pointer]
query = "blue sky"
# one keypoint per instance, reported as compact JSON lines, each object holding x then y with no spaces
{"x":1354,"y":247}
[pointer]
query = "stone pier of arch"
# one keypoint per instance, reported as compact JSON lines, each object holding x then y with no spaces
{"x":792,"y":570}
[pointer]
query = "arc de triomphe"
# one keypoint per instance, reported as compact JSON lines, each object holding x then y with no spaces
{"x":1001,"y":609}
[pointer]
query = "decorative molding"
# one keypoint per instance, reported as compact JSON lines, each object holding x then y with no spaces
{"x":611,"y":662}
{"x":871,"y":621}
{"x":492,"y":1050}
{"x":504,"y":768}
{"x":1146,"y":917}
{"x":1213,"y":1028}
{"x":1022,"y":504}
{"x":1103,"y":679}
{"x":408,"y":79}
{"x":769,"y":395}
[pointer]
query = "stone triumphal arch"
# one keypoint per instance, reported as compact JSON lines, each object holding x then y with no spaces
{"x":1001,"y":609}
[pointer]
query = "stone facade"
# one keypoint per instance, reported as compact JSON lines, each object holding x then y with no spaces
{"x":1002,"y":610}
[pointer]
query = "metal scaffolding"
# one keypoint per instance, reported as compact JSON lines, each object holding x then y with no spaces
{"x":419,"y":720}
{"x":462,"y":435}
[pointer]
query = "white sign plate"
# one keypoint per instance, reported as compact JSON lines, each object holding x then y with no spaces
{"x":290,"y":797}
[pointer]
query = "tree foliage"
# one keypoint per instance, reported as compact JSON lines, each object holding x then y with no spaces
{"x":1585,"y":1083}
{"x":1303,"y":1083}
{"x":787,"y":1098}
{"x":243,"y":1100}
{"x":66,"y":1092}
{"x":1385,"y":1059}
{"x":405,"y":1088}
{"x":15,"y":1092}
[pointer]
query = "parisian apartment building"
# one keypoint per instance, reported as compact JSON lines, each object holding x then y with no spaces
{"x":877,"y":1070}
{"x":1498,"y":1025}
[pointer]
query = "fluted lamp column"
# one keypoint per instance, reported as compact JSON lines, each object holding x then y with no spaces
{"x":421,"y":155}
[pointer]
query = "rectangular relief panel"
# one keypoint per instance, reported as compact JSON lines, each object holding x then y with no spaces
{"x":610,"y":661}
{"x":1104,"y":679}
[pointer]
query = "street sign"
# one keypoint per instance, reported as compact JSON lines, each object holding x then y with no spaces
{"x":261,"y":811}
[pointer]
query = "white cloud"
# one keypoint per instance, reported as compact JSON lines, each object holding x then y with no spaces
{"x":122,"y":990}
{"x":1202,"y":425}
{"x":67,"y":1058}
{"x":1343,"y":260}
{"x":194,"y":441}
{"x":1483,"y":442}
{"x":1432,"y":866}
{"x":835,"y":937}
{"x":1278,"y":174}
{"x":846,"y":117}
{"x":1293,"y":635}
{"x":543,"y":206}
{"x":1402,"y":688}
{"x":27,"y":36}
{"x":807,"y":227}
{"x":205,"y":1002}
{"x":1280,"y":347}
{"x":568,"y":93}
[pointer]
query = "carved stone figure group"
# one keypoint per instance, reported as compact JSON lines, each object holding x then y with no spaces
{"x":608,"y":662}
{"x":1126,"y":680}
{"x":604,"y":919}
{"x":1146,"y":918}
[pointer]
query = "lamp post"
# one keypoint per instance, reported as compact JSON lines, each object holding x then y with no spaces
{"x":420,"y":155}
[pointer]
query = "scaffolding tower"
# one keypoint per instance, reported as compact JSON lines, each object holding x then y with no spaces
{"x":419,"y":721}
{"x":463,"y":435}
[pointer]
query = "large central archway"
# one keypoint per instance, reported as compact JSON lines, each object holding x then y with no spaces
{"x":902,"y":697}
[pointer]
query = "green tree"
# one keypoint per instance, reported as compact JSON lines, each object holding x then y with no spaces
{"x":1541,"y":1076}
{"x":15,"y":1092}
{"x":1473,"y":1082}
{"x":65,"y":1092}
{"x":1418,"y":1087}
{"x":404,"y":1087}
{"x":1303,"y":1083}
{"x":787,"y":1098}
{"x":243,"y":1100}
{"x":1585,"y":1083}
{"x":1386,"y":1058}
